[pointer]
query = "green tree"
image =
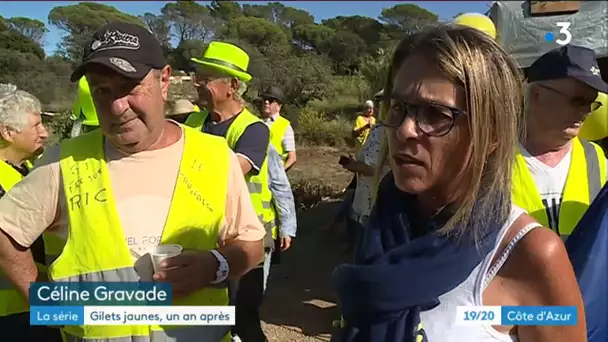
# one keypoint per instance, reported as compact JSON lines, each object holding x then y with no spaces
{"x":312,"y":36}
{"x":256,"y":31}
{"x":30,"y":73}
{"x":375,"y":69}
{"x":369,"y":29}
{"x":373,"y":36}
{"x":407,"y":17}
{"x":80,"y":21}
{"x":225,"y":10}
{"x":279,"y":14}
{"x":159,"y":27}
{"x":23,"y":64}
{"x":283,"y":16}
{"x":303,"y":78}
{"x":189,"y":20}
{"x":345,"y":49}
{"x":31,"y":28}
{"x":180,"y":57}
{"x":11,"y":40}
{"x":3,"y":24}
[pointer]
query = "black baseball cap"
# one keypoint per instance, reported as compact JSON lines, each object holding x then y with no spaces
{"x":128,"y":49}
{"x":569,"y":61}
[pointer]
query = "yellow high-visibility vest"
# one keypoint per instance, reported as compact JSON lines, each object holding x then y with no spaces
{"x":9,"y":176}
{"x":277,"y":131}
{"x":586,"y":177}
{"x":11,"y":301}
{"x":96,"y":250}
{"x":257,"y":184}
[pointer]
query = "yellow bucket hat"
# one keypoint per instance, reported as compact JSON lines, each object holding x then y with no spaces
{"x":477,"y":21}
{"x":227,"y":58}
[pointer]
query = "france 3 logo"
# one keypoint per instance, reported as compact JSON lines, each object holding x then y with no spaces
{"x":564,"y":35}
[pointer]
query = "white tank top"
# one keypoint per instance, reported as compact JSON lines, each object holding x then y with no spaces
{"x":440,"y":322}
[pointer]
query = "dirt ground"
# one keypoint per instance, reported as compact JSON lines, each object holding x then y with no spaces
{"x":320,"y":163}
{"x":300,"y":304}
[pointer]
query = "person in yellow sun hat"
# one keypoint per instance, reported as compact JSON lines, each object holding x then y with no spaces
{"x":148,"y":184}
{"x":84,"y":113}
{"x":477,"y":21}
{"x":221,"y":79}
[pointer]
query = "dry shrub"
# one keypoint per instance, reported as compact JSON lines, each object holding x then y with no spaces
{"x":315,"y":129}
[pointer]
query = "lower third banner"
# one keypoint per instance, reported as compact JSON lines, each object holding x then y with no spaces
{"x":132,"y":315}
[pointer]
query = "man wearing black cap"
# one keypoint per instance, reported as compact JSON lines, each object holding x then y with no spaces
{"x":282,"y":136}
{"x":557,"y":174}
{"x":114,"y":194}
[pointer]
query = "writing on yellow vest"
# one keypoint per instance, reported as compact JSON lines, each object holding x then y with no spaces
{"x":96,"y":250}
{"x":586,"y":177}
{"x":277,"y":131}
{"x":261,"y":197}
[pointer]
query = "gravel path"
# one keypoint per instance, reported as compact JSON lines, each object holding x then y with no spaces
{"x":300,"y":304}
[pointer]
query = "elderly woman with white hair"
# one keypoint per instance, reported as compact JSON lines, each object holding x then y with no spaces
{"x":21,"y":137}
{"x":22,"y":134}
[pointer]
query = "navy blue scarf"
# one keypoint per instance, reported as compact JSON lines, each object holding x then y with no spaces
{"x":396,"y":275}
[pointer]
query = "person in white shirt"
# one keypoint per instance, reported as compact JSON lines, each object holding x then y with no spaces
{"x":364,"y":167}
{"x":282,"y":136}
{"x":557,"y":174}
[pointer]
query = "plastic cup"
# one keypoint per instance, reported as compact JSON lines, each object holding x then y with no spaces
{"x":163,"y":252}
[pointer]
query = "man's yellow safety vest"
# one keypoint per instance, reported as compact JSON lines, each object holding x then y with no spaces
{"x":257,"y":184}
{"x":11,"y":301}
{"x":277,"y":131}
{"x":96,"y":251}
{"x":586,"y":177}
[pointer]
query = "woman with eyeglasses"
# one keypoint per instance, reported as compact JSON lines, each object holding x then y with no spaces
{"x":443,"y":232}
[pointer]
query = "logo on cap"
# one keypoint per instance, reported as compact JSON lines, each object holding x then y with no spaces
{"x":122,"y":64}
{"x":114,"y":39}
{"x":595,"y":71}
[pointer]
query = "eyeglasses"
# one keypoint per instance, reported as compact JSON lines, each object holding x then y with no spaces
{"x":431,"y":119}
{"x":200,"y":80}
{"x":269,"y":99}
{"x":576,"y":101}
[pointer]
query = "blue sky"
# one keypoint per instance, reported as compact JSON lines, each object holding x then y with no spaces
{"x":319,"y":9}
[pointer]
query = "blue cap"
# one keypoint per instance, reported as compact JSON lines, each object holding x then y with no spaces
{"x":568,"y":61}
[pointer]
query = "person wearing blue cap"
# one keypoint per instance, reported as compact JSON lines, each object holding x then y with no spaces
{"x":557,"y":174}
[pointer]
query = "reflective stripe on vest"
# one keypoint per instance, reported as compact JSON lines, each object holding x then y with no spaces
{"x":586,"y":177}
{"x":96,"y":250}
{"x":11,"y":301}
{"x":259,"y":191}
{"x":277,"y":131}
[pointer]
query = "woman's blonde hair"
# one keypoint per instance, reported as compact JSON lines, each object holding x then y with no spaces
{"x":493,"y":90}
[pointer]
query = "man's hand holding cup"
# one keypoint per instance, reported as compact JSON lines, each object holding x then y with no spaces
{"x":187,"y":271}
